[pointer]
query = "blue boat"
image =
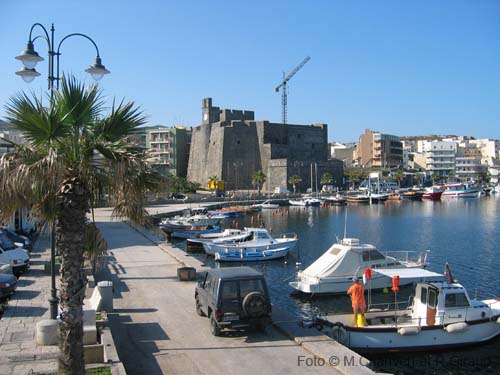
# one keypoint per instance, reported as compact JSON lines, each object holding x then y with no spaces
{"x":189,"y":233}
{"x":251,"y":255}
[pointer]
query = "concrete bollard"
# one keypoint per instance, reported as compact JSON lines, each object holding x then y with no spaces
{"x":47,"y":332}
{"x":106,"y":291}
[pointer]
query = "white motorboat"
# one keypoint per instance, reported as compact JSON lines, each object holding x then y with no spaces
{"x":305,"y":202}
{"x":333,"y":271}
{"x":259,"y":239}
{"x":194,"y":221}
{"x":227,"y":234}
{"x":267,"y":205}
{"x":460,"y":191}
{"x":441,"y":315}
{"x":336,"y":200}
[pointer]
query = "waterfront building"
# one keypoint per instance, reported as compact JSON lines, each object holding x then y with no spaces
{"x":344,"y":152}
{"x":375,"y":149}
{"x":9,"y":134}
{"x":440,"y":157}
{"x":169,"y":148}
{"x":232,"y":145}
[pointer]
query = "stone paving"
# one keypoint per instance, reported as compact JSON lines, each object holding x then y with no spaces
{"x":19,"y":353}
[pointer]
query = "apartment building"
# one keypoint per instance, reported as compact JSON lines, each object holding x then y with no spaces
{"x":169,"y":148}
{"x":440,"y":157}
{"x":375,"y":149}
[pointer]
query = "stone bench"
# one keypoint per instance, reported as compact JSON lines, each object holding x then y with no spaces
{"x":90,"y":307}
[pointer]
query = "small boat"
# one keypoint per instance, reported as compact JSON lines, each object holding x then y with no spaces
{"x":198,"y":240}
{"x":252,"y":255}
{"x":379,"y":197}
{"x":412,"y":194}
{"x":267,"y":205}
{"x":305,"y":202}
{"x":358,"y":198}
{"x":258,"y":239}
{"x":461,"y":191}
{"x":194,"y":232}
{"x":441,"y":315}
{"x":195,"y":221}
{"x":336,"y":200}
{"x":433,"y":193}
{"x":332,"y":272}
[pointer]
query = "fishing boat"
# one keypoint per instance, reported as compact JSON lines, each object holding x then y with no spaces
{"x":231,"y":234}
{"x":461,"y":191}
{"x":252,"y":255}
{"x":305,"y":202}
{"x":379,"y":197}
{"x":267,"y":205}
{"x":258,"y":239}
{"x":195,"y":221}
{"x":332,"y":272}
{"x":358,"y":198}
{"x":412,"y":194}
{"x":440,"y":315}
{"x":194,"y":232}
{"x":336,"y":200}
{"x":433,"y":193}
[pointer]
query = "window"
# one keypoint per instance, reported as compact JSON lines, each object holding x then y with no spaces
{"x":335,"y":251}
{"x":432,"y":298}
{"x":456,"y":300}
{"x":372,"y":255}
{"x":423,"y":295}
{"x":262,"y":235}
{"x":230,"y":290}
{"x":248,"y":286}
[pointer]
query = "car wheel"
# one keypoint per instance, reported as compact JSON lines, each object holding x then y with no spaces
{"x":199,"y":311}
{"x":216,"y":331}
{"x":255,"y":305}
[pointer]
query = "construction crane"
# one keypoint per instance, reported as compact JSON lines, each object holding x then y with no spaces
{"x":282,"y":86}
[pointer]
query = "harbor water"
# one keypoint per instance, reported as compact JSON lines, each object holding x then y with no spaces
{"x":463,"y":232}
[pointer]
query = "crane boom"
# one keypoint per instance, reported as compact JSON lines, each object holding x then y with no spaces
{"x":282,"y":86}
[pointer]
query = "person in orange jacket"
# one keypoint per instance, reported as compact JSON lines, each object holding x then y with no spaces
{"x":357,"y":293}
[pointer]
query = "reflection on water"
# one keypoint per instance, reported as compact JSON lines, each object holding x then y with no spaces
{"x":464,"y":232}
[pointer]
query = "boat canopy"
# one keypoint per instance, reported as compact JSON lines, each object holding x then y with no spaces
{"x":409,"y":273}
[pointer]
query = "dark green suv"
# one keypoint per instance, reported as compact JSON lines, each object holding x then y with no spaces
{"x":233,"y":297}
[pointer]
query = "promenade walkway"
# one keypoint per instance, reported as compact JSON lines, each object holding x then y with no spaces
{"x":156,"y":328}
{"x":19,"y":353}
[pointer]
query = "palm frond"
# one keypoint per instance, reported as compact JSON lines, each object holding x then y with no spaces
{"x":40,"y":125}
{"x":122,"y":120}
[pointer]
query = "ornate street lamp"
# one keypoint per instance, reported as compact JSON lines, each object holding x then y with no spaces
{"x":29,"y":57}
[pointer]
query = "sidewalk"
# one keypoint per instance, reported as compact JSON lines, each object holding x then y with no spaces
{"x":19,"y":353}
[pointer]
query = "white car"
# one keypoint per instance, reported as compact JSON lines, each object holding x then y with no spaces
{"x":17,"y":257}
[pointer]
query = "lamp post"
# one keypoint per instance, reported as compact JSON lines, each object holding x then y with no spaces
{"x":29,"y":57}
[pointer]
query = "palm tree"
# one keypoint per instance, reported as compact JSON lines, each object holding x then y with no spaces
{"x":326,"y":179}
{"x":398,"y":176}
{"x":420,"y":178}
{"x":259,"y":178}
{"x":294,"y":180}
{"x":72,"y":150}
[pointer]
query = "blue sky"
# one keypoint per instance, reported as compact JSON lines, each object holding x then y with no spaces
{"x":399,"y":67}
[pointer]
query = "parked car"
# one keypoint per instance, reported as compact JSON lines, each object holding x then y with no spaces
{"x":8,"y":282}
{"x":233,"y":297}
{"x":17,"y":257}
{"x":19,"y":240}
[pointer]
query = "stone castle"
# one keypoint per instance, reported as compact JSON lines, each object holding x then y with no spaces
{"x":232,"y":145}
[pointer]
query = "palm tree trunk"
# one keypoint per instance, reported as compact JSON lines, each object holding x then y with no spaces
{"x":72,"y":208}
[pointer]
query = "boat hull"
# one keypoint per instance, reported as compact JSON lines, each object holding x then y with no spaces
{"x":252,"y":256}
{"x":434,"y":196}
{"x":340,"y":285}
{"x":461,"y":194}
{"x":374,"y":340}
{"x":213,"y":248}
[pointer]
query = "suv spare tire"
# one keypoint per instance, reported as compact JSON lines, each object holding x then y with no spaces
{"x":255,"y":305}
